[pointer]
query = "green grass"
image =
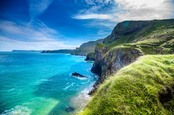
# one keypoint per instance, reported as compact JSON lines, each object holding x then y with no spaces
{"x":136,"y":89}
{"x":154,"y":38}
{"x":158,"y":42}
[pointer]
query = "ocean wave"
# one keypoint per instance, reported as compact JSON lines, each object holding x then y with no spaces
{"x":17,"y":110}
{"x":68,"y":86}
{"x":11,"y":89}
{"x":42,"y":80}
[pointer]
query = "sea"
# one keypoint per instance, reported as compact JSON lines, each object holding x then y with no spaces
{"x":34,"y":83}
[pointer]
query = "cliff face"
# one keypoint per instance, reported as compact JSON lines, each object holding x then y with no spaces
{"x":90,"y":56}
{"x":118,"y":58}
{"x":100,"y":50}
{"x":108,"y":62}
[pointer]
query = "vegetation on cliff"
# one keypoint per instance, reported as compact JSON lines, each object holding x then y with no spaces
{"x":143,"y":87}
{"x":90,"y":56}
{"x":152,"y":37}
{"x":149,"y":37}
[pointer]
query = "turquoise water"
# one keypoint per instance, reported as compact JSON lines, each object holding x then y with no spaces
{"x":41,"y":84}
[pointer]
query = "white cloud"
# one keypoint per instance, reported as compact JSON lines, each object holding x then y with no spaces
{"x":38,"y":6}
{"x":28,"y":32}
{"x":8,"y":44}
{"x":143,"y":10}
{"x":93,"y":16}
{"x":30,"y":37}
{"x":128,"y":10}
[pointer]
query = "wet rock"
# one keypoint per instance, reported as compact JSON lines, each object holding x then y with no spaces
{"x":78,"y":75}
{"x":69,"y":109}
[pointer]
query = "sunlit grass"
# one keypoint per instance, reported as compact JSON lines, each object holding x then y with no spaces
{"x":135,"y":89}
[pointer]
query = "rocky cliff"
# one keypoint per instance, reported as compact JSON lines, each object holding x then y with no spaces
{"x":128,"y":41}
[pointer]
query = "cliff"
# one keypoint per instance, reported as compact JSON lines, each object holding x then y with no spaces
{"x":143,"y":87}
{"x":128,"y":41}
{"x":90,"y":56}
{"x":133,"y":75}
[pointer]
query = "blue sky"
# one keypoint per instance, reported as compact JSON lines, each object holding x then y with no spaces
{"x":62,"y":24}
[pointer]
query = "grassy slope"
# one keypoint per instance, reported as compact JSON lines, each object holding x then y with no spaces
{"x":135,"y":89}
{"x":156,"y":37}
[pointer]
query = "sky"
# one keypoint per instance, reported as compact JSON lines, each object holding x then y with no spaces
{"x":66,"y":24}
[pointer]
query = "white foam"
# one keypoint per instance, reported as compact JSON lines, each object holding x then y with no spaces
{"x":81,"y":78}
{"x":42,"y":80}
{"x":68,"y":86}
{"x":17,"y":110}
{"x":80,"y":100}
{"x":11,"y":89}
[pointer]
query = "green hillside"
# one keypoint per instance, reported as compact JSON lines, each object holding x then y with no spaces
{"x":143,"y":87}
{"x":135,"y":66}
{"x":86,"y":48}
{"x":153,"y":37}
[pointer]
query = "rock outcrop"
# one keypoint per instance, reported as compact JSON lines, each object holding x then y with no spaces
{"x":69,"y":109}
{"x":100,"y":50}
{"x":78,"y":75}
{"x":90,"y":56}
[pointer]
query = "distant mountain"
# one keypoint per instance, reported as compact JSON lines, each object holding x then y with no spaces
{"x":26,"y":51}
{"x":58,"y":51}
{"x":86,"y":48}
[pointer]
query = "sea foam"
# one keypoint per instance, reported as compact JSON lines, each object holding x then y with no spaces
{"x":18,"y":110}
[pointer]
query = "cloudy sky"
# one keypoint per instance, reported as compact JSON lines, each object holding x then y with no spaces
{"x":63,"y":24}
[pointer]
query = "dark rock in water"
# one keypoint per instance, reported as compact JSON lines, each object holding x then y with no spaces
{"x":69,"y":109}
{"x":78,"y":75}
{"x":91,"y":92}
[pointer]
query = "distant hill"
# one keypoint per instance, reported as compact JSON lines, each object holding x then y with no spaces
{"x":156,"y":36}
{"x":86,"y":48}
{"x":26,"y":51}
{"x":58,"y":51}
